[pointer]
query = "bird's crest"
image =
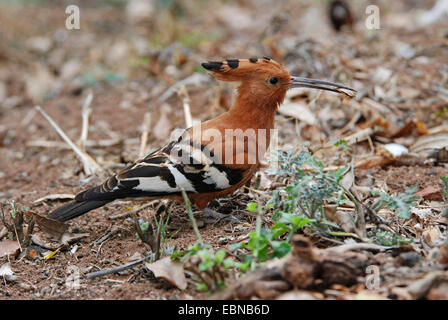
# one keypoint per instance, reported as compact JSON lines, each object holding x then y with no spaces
{"x":240,"y":69}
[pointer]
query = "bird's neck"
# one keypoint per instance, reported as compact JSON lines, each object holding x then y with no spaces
{"x":254,"y":111}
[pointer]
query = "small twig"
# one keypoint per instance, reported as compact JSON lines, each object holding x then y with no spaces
{"x":56,"y":196}
{"x":62,"y":145}
{"x":90,"y":166}
{"x":130,"y":212}
{"x":183,"y":95}
{"x":86,"y":110}
{"x":359,"y":208}
{"x":195,"y":79}
{"x":358,"y":246}
{"x":117,"y":269}
{"x":145,"y":131}
{"x":41,"y":243}
{"x":29,"y":116}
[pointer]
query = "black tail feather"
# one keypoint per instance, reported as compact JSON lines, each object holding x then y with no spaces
{"x":75,"y":209}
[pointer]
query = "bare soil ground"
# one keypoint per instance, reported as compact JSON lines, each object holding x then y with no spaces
{"x":128,"y":65}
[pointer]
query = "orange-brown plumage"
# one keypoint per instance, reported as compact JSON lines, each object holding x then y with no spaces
{"x":226,"y":150}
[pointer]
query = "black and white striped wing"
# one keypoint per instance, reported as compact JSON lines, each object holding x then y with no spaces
{"x":166,"y":171}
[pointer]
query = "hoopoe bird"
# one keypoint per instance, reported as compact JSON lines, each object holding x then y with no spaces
{"x":204,"y":161}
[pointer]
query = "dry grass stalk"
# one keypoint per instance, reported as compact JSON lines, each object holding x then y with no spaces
{"x":145,"y":132}
{"x":89,"y":164}
{"x":86,"y":110}
{"x":183,"y":95}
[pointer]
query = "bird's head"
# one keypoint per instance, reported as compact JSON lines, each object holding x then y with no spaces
{"x":265,"y":79}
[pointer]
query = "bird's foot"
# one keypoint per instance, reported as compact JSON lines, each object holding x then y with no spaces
{"x":212,"y":216}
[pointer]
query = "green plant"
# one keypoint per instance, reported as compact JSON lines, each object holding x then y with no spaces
{"x":401,"y":204}
{"x":289,"y":162}
{"x":208,"y":265}
{"x":304,"y":197}
{"x":265,"y":244}
{"x":155,"y":235}
{"x":17,"y":221}
{"x":386,"y":238}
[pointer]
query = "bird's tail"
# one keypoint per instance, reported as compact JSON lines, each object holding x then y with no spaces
{"x":75,"y":209}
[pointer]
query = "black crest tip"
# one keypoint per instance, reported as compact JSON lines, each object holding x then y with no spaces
{"x":233,"y":63}
{"x":212,"y":65}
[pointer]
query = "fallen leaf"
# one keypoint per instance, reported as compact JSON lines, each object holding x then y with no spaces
{"x":8,"y":247}
{"x":372,"y":162}
{"x":299,"y":111}
{"x":422,"y":213}
{"x":430,"y":143}
{"x":431,"y":193}
{"x":348,"y":179}
{"x":6,"y":272}
{"x":169,"y":270}
{"x":54,"y":227}
{"x":342,"y":218}
{"x":68,"y":237}
{"x":432,"y":237}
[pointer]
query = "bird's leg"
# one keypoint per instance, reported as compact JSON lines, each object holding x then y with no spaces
{"x":216,"y":216}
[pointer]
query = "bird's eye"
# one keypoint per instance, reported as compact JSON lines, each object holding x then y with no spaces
{"x":273,"y":80}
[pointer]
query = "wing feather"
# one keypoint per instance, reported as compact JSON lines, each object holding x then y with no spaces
{"x":181,"y":164}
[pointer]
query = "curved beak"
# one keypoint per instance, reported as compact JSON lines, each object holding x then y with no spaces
{"x":299,"y":82}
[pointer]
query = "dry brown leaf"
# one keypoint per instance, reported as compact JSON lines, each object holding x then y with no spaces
{"x":54,"y":227}
{"x":373,"y":161}
{"x":8,"y":247}
{"x":69,"y":237}
{"x":299,"y":111}
{"x":169,"y":270}
{"x":430,"y":142}
{"x":432,"y":236}
{"x":348,"y":179}
{"x":431,"y":193}
{"x":6,"y":272}
{"x":342,"y":218}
